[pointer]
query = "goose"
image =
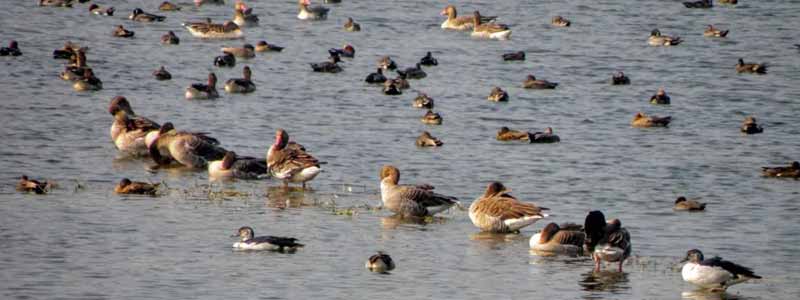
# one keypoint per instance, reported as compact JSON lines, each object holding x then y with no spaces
{"x":431,"y":118}
{"x":749,"y":126}
{"x":376,"y":77}
{"x":291,"y":164}
{"x":620,"y":79}
{"x":742,"y":67}
{"x":241,"y":85}
{"x":168,"y":6}
{"x":192,"y":150}
{"x":453,"y":21}
{"x":519,"y":55}
{"x":351,"y":26}
{"x":507,"y":134}
{"x":497,"y":95}
{"x":413,"y":72}
{"x":660,"y":97}
{"x":532,"y":83}
{"x":97,"y":10}
{"x":128,"y":187}
{"x":170,"y":38}
{"x":715,"y":274}
{"x":545,"y":137}
{"x":427,"y":140}
{"x":422,"y":101}
{"x":128,"y":131}
{"x":489,"y":30}
{"x":239,"y":167}
{"x":411,"y":200}
{"x":28,"y":185}
{"x":140,"y":16}
{"x":248,"y":241}
{"x":380,"y":263}
{"x":560,"y":21}
{"x":642,"y":120}
{"x":699,"y":4}
{"x":308,"y":12}
{"x":792,"y":171}
{"x":554,"y":239}
{"x":88,"y":83}
{"x":122,"y":32}
{"x":207,"y":29}
{"x":12,"y":49}
{"x":199,"y":91}
{"x":682,"y":204}
{"x":263,"y":46}
{"x":656,"y":39}
{"x":714,"y":32}
{"x":428,"y":60}
{"x":330,"y":66}
{"x":162,"y":74}
{"x":227,"y":59}
{"x":499,"y":212}
{"x":246,"y":51}
{"x":608,"y":242}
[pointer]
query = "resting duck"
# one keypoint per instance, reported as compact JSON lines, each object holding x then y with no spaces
{"x":347,"y":51}
{"x":248,"y":241}
{"x":290,"y":164}
{"x":162,"y":74}
{"x":499,"y":212}
{"x":75,"y":71}
{"x":656,"y":39}
{"x":792,"y":171}
{"x":88,"y":83}
{"x":246,"y":51}
{"x":497,"y":95}
{"x":642,"y":120}
{"x":554,"y":239}
{"x":243,"y":16}
{"x":122,"y":32}
{"x":545,"y":137}
{"x":519,"y":55}
{"x":713,"y":32}
{"x":330,"y":66}
{"x":32,"y":186}
{"x":12,"y":49}
{"x":489,"y":30}
{"x":140,"y":16}
{"x":532,"y":83}
{"x":227,"y":30}
{"x":559,"y":21}
{"x":170,"y":38}
{"x":423,"y":101}
{"x":129,"y":131}
{"x":241,"y":85}
{"x":506,"y":134}
{"x":351,"y":26}
{"x":376,"y":77}
{"x":70,"y":51}
{"x":681,"y":204}
{"x":460,"y":23}
{"x":192,"y":150}
{"x":427,"y":140}
{"x":620,"y":79}
{"x":660,"y":97}
{"x":715,"y":273}
{"x":97,"y":10}
{"x":390,"y":88}
{"x":608,"y":242}
{"x":56,"y":3}
{"x":413,"y":72}
{"x":742,"y":67}
{"x":168,"y":6}
{"x":411,"y":200}
{"x":699,"y":4}
{"x":308,"y":12}
{"x":239,"y":167}
{"x":387,"y":63}
{"x":263,"y":46}
{"x":203,"y":91}
{"x":227,"y":59}
{"x":428,"y":60}
{"x":128,"y":187}
{"x":749,"y":126}
{"x":431,"y":118}
{"x":380,"y":263}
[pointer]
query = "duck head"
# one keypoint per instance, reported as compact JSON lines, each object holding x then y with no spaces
{"x":124,"y":182}
{"x":349,"y":48}
{"x":334,"y":58}
{"x":390,"y":173}
{"x":262,"y":44}
{"x":548,"y":130}
{"x":245,"y":233}
{"x":426,"y":134}
{"x":449,"y":11}
{"x":594,"y":226}
{"x":304,"y":3}
{"x":749,"y":120}
{"x":613,"y":225}
{"x":239,"y":6}
{"x":741,"y":61}
{"x":281,"y":139}
{"x":548,"y":232}
{"x":530,"y":78}
{"x":504,"y":129}
{"x":249,"y":47}
{"x":655,"y":32}
{"x":661,"y":92}
{"x":680,"y":199}
{"x":119,"y":103}
{"x":228,"y":160}
{"x":495,"y":188}
{"x":247,"y":73}
{"x":694,"y":256}
{"x":638,"y":116}
{"x":212,"y":79}
{"x":477,"y":19}
{"x":349,"y":22}
{"x":796,"y":165}
{"x":136,"y":11}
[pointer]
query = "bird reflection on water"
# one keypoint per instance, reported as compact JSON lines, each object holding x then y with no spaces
{"x":606,"y":281}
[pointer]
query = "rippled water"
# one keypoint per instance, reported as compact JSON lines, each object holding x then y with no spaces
{"x":84,"y":242}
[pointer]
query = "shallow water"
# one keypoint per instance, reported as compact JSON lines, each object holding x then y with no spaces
{"x":84,"y":242}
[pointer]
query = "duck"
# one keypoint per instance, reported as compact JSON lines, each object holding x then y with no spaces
{"x":519,"y":55}
{"x":387,"y":63}
{"x":544,"y":137}
{"x":427,"y":140}
{"x":12,"y":49}
{"x":330,"y":66}
{"x":699,"y":4}
{"x":69,"y":51}
{"x":749,"y":126}
{"x":291,"y":164}
{"x":227,"y":59}
{"x":199,"y":91}
{"x":390,"y":88}
{"x":620,"y":79}
{"x":122,"y":32}
{"x":376,"y":77}
{"x":239,"y":167}
{"x":170,"y":38}
{"x":497,"y":211}
{"x":168,"y":6}
{"x":559,"y":21}
{"x":489,"y":30}
{"x":88,"y":83}
{"x":497,"y":95}
{"x":714,"y":32}
{"x":241,"y":85}
{"x":422,"y":101}
{"x":732,"y":2}
{"x":656,"y":39}
{"x":56,"y":3}
{"x":431,"y":118}
{"x":129,"y":131}
{"x":507,"y":134}
{"x":413,"y":72}
{"x":75,"y":71}
{"x":606,"y":241}
{"x":346,"y":51}
{"x":742,"y":67}
{"x":162,"y":74}
{"x":263,"y":46}
{"x":192,"y":150}
{"x":460,"y":23}
{"x":199,"y":3}
{"x":28,"y":185}
{"x":660,"y":97}
{"x":554,"y":239}
{"x":308,"y":12}
{"x":243,"y":16}
{"x":532,"y":83}
{"x":401,"y":81}
{"x":248,"y":241}
{"x":715,"y":274}
{"x":351,"y":26}
{"x":682,"y":204}
{"x":140,"y":16}
{"x":642,"y":120}
{"x":209,"y":30}
{"x":246,"y":51}
{"x":428,"y":60}
{"x":97,"y":10}
{"x":128,"y":187}
{"x":792,"y":171}
{"x":413,"y":201}
{"x":380,"y":263}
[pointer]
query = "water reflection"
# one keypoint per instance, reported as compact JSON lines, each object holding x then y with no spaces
{"x":708,"y":295}
{"x":395,"y":221}
{"x":606,"y":281}
{"x":287,"y":197}
{"x":495,"y":240}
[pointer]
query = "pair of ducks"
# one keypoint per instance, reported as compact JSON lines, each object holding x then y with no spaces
{"x":481,"y":26}
{"x":78,"y":72}
{"x":208,"y":90}
{"x":507,"y":134}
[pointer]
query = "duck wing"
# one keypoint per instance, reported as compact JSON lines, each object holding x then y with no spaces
{"x":276,"y":240}
{"x":569,"y":237}
{"x":619,"y":238}
{"x":737,"y":270}
{"x":506,"y":207}
{"x":424,"y":195}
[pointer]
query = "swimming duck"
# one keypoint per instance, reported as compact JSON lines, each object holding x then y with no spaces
{"x":554,"y":239}
{"x":97,"y":10}
{"x":88,"y":83}
{"x":12,"y":49}
{"x":497,"y":95}
{"x":423,"y":101}
{"x":203,"y":91}
{"x":387,"y":63}
{"x":519,"y":55}
{"x":351,"y":26}
{"x":380,"y":263}
{"x":411,"y":200}
{"x":428,"y":60}
{"x":129,"y":131}
{"x":246,"y":51}
{"x":715,"y":273}
{"x":431,"y":118}
{"x":559,"y":21}
{"x":347,"y":51}
{"x":390,"y":88}
{"x":243,"y":16}
{"x":308,"y":12}
{"x":660,"y":97}
{"x":240,"y":167}
{"x":733,"y":2}
{"x":792,"y":171}
{"x":742,"y":67}
{"x":32,"y":186}
{"x":499,"y":212}
{"x":506,"y":134}
{"x":749,"y":126}
{"x":162,"y":74}
{"x":140,"y":16}
{"x":56,"y":3}
{"x":248,"y":241}
{"x":241,"y":85}
{"x":128,"y":187}
{"x":643,"y":120}
{"x":413,"y":72}
{"x":545,"y":137}
{"x":376,"y":77}
{"x":122,"y":32}
{"x":168,"y":6}
{"x":227,"y":59}
{"x":656,"y":39}
{"x":681,"y":204}
{"x":698,"y":4}
{"x":209,"y":30}
{"x":713,"y":32}
{"x":291,"y":164}
{"x":69,"y":51}
{"x":532,"y":83}
{"x":170,"y":38}
{"x":263,"y":46}
{"x":401,"y":82}
{"x":193,"y":150}
{"x":608,"y":242}
{"x":620,"y":79}
{"x":330,"y":66}
{"x":427,"y":140}
{"x":489,"y":30}
{"x":460,"y":23}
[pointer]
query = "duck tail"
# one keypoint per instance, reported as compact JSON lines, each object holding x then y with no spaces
{"x":723,"y":33}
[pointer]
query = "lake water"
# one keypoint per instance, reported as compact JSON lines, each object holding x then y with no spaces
{"x":84,"y":242}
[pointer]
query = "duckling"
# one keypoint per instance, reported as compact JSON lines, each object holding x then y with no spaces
{"x":128,"y":187}
{"x":380,"y":263}
{"x":427,"y":140}
{"x":170,"y":38}
{"x":792,"y":171}
{"x":239,"y":167}
{"x":506,"y":134}
{"x":559,"y":21}
{"x":263,"y":46}
{"x":248,"y":241}
{"x":413,"y":73}
{"x":681,"y":204}
{"x":141,"y":16}
{"x":56,"y":3}
{"x":713,"y":32}
{"x":699,"y":4}
{"x":620,"y":79}
{"x":519,"y":55}
{"x":532,"y":83}
{"x":330,"y":66}
{"x":660,"y":97}
{"x":497,"y":95}
{"x":168,"y":6}
{"x":122,"y":32}
{"x":387,"y":63}
{"x":203,"y":91}
{"x":428,"y":60}
{"x":742,"y":67}
{"x":246,"y":51}
{"x":431,"y":118}
{"x":390,"y":88}
{"x":241,"y":85}
{"x":347,"y":51}
{"x":642,"y":120}
{"x":423,"y":101}
{"x":376,"y":77}
{"x":749,"y":126}
{"x":656,"y":39}
{"x":545,"y":137}
{"x":97,"y":10}
{"x":351,"y":26}
{"x":88,"y":83}
{"x":225,"y":60}
{"x":33,"y":186}
{"x":12,"y":49}
{"x":162,"y":74}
